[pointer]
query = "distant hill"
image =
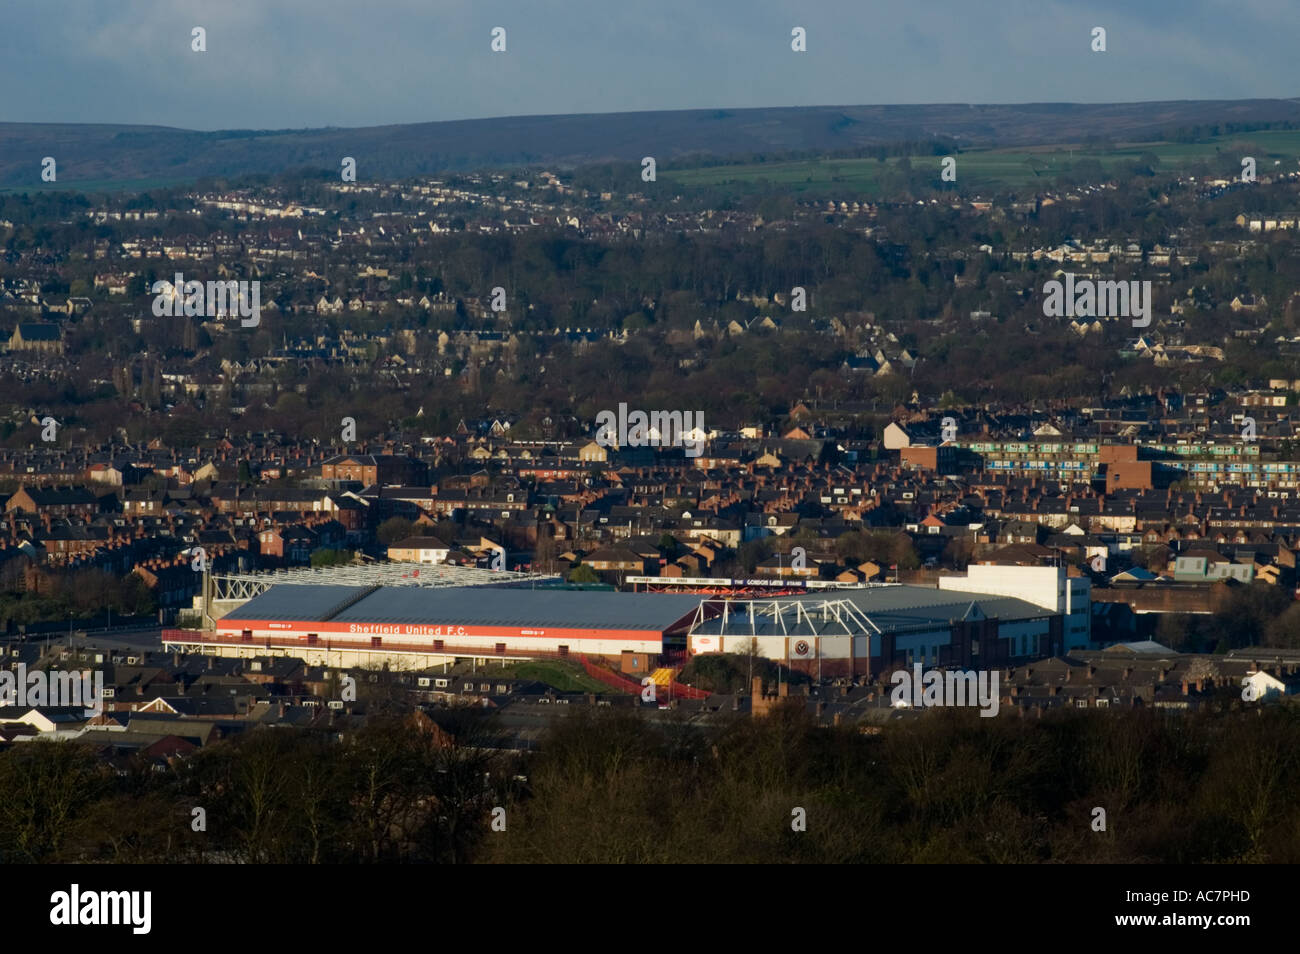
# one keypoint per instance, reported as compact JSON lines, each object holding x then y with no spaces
{"x":103,"y":153}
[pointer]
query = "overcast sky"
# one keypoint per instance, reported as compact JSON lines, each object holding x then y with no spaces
{"x":273,"y":64}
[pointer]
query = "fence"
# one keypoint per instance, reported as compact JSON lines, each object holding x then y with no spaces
{"x":609,"y":677}
{"x":683,"y":691}
{"x":677,"y":659}
{"x":676,"y":689}
{"x":99,"y":623}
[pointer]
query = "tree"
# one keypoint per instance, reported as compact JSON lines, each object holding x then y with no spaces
{"x":637,"y":321}
{"x":1284,"y":632}
{"x":583,"y":573}
{"x":544,"y":551}
{"x":326,"y":557}
{"x":668,"y":546}
{"x":753,"y":553}
{"x":958,"y":552}
{"x":394,"y":529}
{"x":43,"y":788}
{"x":458,"y":755}
{"x":1250,"y":611}
{"x":383,"y":767}
{"x":904,"y":553}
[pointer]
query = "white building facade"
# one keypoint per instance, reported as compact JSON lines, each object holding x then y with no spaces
{"x":1047,"y":586}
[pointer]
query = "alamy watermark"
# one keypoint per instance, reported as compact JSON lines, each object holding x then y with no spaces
{"x":214,"y":300}
{"x":654,"y":429}
{"x":82,"y":689}
{"x":937,"y":687}
{"x":97,"y":908}
{"x":1087,"y":298}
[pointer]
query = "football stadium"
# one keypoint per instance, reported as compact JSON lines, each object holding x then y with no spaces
{"x":413,"y":626}
{"x":409,"y":622}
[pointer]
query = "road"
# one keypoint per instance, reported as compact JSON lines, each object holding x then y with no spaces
{"x":139,"y":638}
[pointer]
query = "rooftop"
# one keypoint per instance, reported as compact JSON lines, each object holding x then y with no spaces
{"x":467,"y":606}
{"x":872,"y":610}
{"x":247,"y":585}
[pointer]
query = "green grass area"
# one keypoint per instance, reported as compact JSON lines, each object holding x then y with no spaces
{"x":562,"y":676}
{"x":987,"y":169}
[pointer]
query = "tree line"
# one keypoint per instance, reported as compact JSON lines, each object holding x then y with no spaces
{"x":610,"y":786}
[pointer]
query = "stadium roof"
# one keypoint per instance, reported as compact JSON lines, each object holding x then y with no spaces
{"x":876,"y":610}
{"x":290,"y":602}
{"x":901,"y":607}
{"x":470,"y":606}
{"x":230,"y":586}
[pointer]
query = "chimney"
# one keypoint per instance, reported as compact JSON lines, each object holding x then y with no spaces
{"x":757,"y":688}
{"x":784,"y":691}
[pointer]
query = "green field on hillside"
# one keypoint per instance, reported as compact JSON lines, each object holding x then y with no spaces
{"x":991,"y":169}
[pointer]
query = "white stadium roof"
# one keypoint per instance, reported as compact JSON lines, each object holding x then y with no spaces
{"x":235,"y":586}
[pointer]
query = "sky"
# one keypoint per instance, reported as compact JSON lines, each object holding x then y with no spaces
{"x":292,"y":64}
